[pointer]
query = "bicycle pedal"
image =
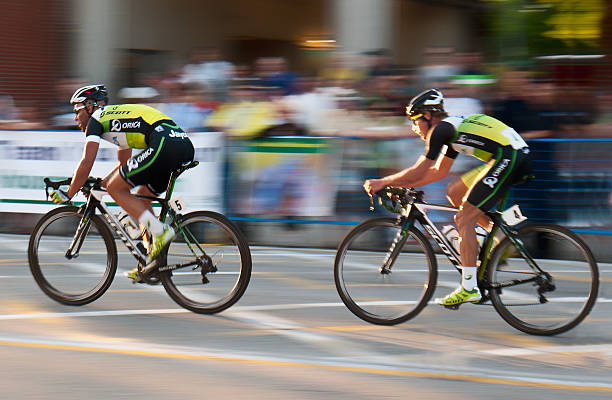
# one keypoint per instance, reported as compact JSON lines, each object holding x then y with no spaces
{"x":453,"y":307}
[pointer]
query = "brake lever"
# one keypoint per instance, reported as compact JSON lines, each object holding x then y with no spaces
{"x":371,"y":202}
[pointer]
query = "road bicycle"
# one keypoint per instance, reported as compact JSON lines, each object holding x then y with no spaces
{"x":73,"y":255}
{"x":541,"y":278}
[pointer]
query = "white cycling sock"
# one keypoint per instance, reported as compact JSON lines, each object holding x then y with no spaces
{"x":151,"y":223}
{"x":468,"y":277}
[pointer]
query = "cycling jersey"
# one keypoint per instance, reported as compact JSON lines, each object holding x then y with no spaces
{"x":127,"y":125}
{"x":165,"y":146}
{"x":490,"y":140}
{"x":477,"y":135}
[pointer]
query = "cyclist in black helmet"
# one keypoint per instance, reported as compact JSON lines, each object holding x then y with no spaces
{"x":506,"y":159}
{"x":129,"y":126}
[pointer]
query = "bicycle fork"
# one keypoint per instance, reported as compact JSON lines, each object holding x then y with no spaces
{"x":396,"y":246}
{"x":79,"y":237}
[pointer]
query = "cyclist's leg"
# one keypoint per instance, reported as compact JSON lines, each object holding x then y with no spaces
{"x":465,"y":220}
{"x":457,"y":190}
{"x":468,"y":290}
{"x":150,"y":170}
{"x":488,"y":186}
{"x":120,"y":191}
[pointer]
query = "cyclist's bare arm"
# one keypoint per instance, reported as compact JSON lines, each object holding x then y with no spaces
{"x":423,"y":172}
{"x":438,"y":171}
{"x":84,"y":168}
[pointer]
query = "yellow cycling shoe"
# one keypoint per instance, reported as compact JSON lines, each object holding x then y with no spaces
{"x":133,"y":275}
{"x":459,"y":296}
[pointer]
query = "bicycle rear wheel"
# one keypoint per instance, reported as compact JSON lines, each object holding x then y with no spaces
{"x":375,"y":297}
{"x":569,"y":292}
{"x":79,"y":280}
{"x":202,"y":287}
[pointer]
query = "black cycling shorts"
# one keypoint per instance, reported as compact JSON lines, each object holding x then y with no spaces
{"x":493,"y":181}
{"x":169,"y":148}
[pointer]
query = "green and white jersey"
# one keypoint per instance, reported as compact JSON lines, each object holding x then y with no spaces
{"x":477,"y":135}
{"x":481,"y":136}
{"x":127,"y":125}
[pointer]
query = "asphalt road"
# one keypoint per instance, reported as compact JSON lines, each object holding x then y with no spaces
{"x":290,"y":336}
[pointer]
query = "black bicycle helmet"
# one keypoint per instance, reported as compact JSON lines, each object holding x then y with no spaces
{"x":93,"y":92}
{"x":429,"y":100}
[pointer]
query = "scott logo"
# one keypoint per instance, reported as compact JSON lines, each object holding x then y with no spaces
{"x":442,"y":245}
{"x":118,"y":126}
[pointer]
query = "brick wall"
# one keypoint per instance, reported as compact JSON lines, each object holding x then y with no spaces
{"x":33,"y":47}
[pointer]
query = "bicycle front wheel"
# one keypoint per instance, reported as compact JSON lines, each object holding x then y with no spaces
{"x":209,"y":263}
{"x":546,"y":303}
{"x":78,"y":280}
{"x":378,"y":297}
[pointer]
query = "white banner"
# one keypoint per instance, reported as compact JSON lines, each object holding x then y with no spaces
{"x":26,"y":157}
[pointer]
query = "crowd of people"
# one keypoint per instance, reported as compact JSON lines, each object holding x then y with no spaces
{"x":352,"y":95}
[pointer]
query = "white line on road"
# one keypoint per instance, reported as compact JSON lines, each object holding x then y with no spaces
{"x":528,"y":351}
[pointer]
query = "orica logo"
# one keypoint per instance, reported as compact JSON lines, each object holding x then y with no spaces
{"x":490,"y":181}
{"x":132,"y":164}
{"x":115,"y":125}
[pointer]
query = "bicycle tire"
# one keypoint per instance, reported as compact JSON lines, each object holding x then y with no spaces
{"x":559,"y":252}
{"x":230,"y":253}
{"x":48,"y":244}
{"x":384,"y":299}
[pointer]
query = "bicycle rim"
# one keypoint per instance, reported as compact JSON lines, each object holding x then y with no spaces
{"x":378,"y":298}
{"x":222,"y":242}
{"x":575,"y":280}
{"x":79,"y":280}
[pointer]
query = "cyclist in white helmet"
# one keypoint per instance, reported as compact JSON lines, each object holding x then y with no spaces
{"x":164,"y":145}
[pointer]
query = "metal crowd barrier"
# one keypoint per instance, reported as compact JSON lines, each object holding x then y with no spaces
{"x":308,"y":180}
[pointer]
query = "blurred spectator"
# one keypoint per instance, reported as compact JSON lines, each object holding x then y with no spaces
{"x":470,"y":63}
{"x":247,"y":115}
{"x":28,"y":118}
{"x":438,"y":65}
{"x":243,"y":75}
{"x":510,"y":106}
{"x":63,"y":113}
{"x":139,"y":95}
{"x":8,"y":111}
{"x":458,"y":102}
{"x":342,"y":70}
{"x":307,"y":109}
{"x":207,"y":69}
{"x":185,"y":106}
{"x":380,"y":63}
{"x":273,"y":74}
{"x":544,"y":117}
{"x":602,"y":126}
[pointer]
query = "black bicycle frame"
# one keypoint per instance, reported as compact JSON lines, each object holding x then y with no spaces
{"x":415,"y":211}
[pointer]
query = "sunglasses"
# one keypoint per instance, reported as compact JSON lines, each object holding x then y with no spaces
{"x":415,"y":117}
{"x":79,"y":108}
